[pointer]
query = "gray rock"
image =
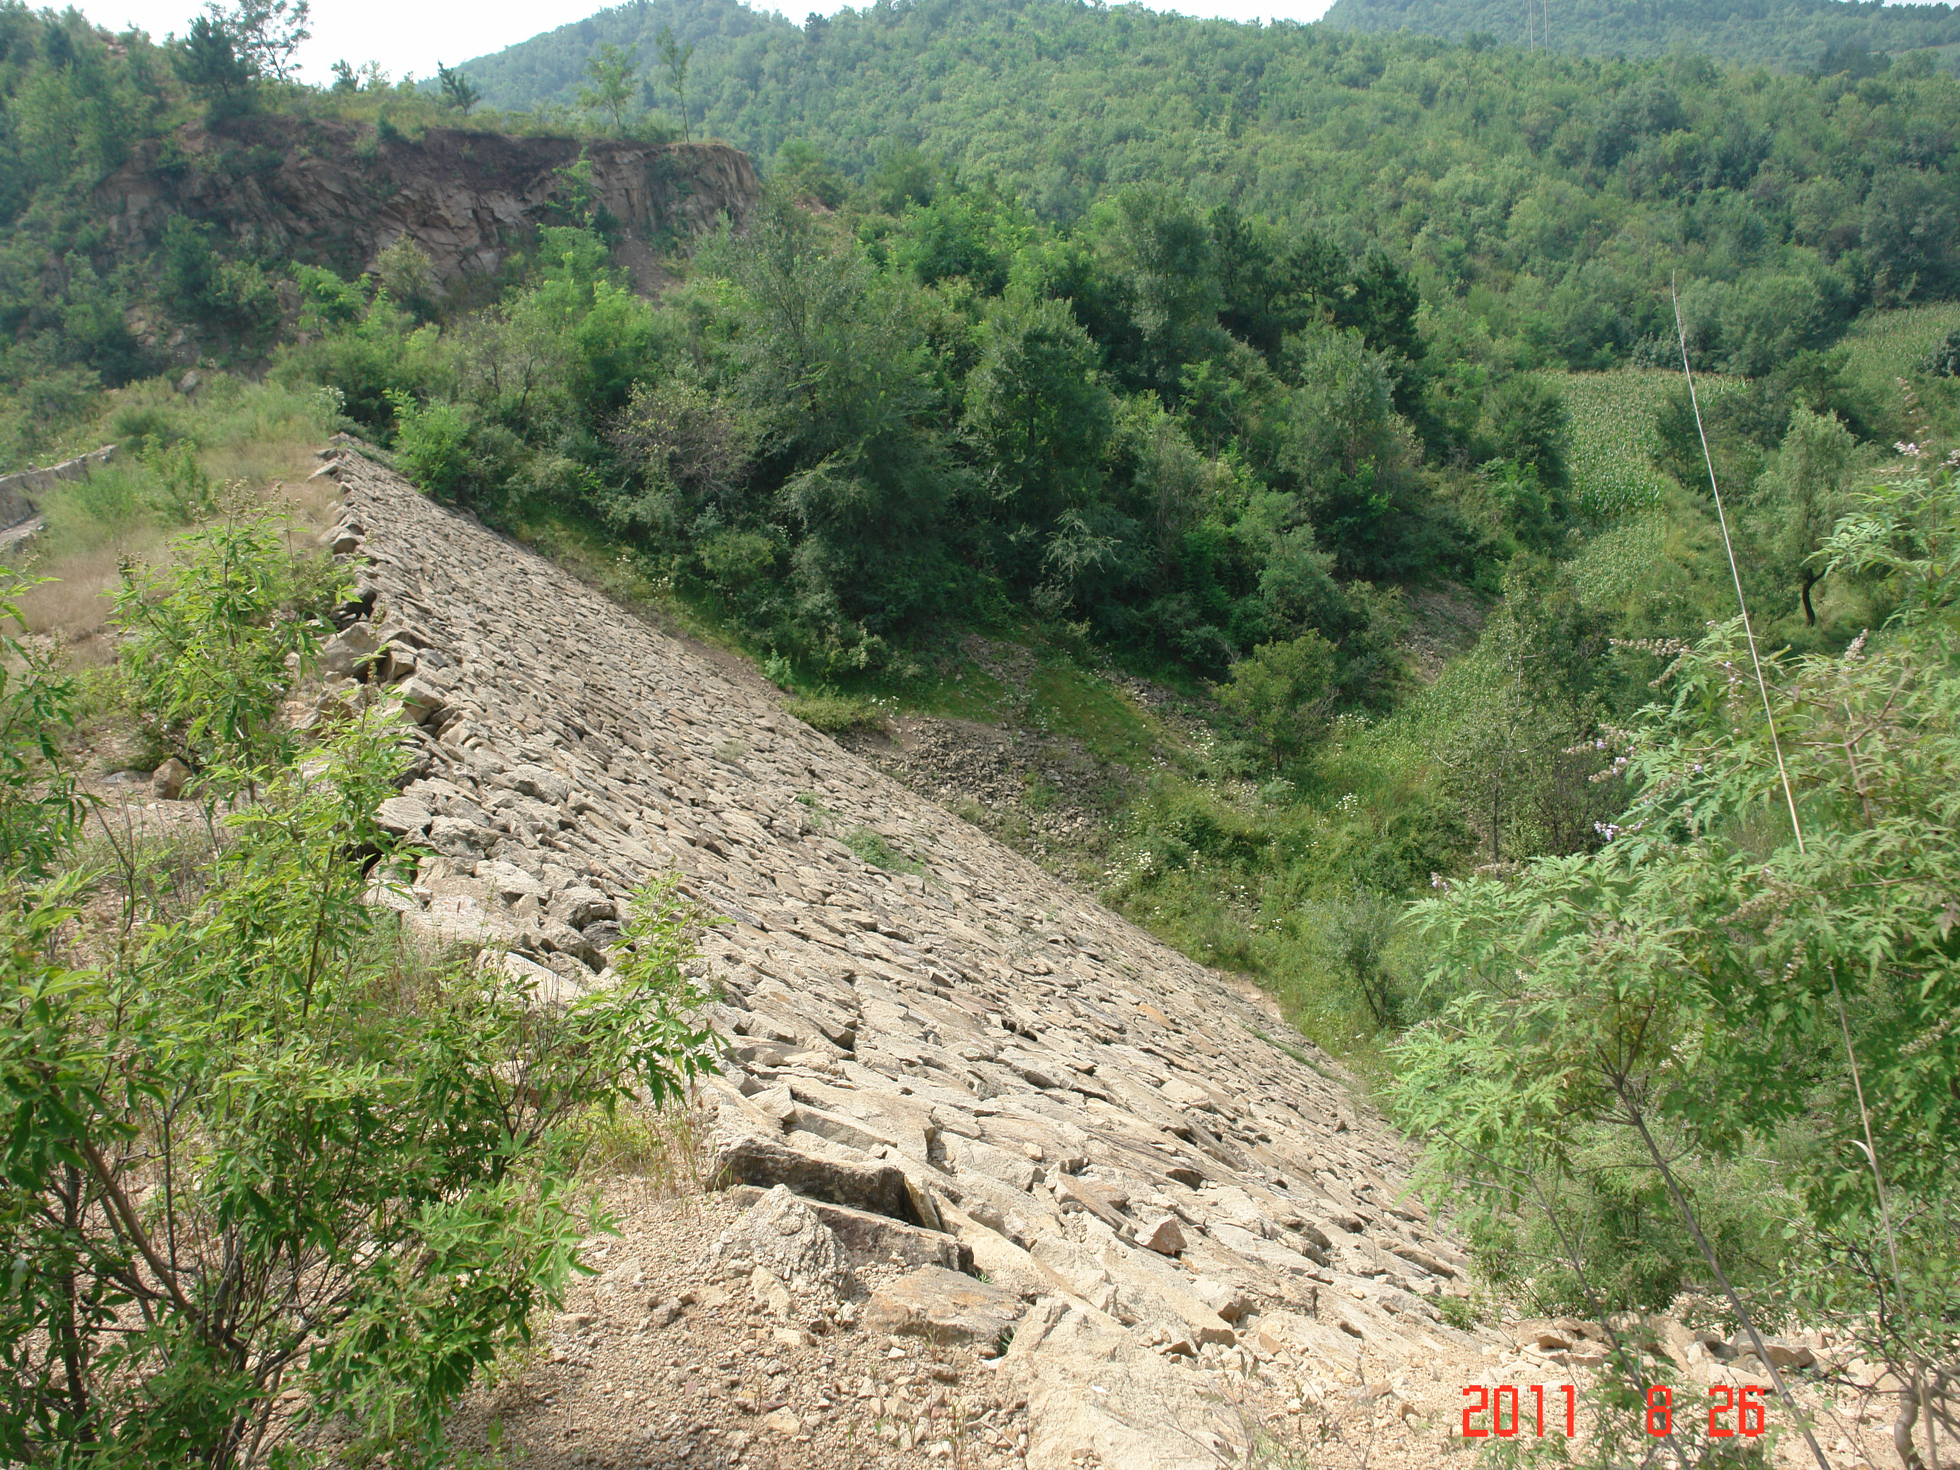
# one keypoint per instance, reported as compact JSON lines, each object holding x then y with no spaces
{"x":1230,"y":1302}
{"x":879,"y":1238}
{"x":546,"y":786}
{"x":403,"y":816}
{"x":558,"y":937}
{"x":349,"y":650}
{"x":1782,"y":1352}
{"x":944,"y":1307}
{"x":581,"y":906}
{"x":782,"y":1236}
{"x":767,"y":1162}
{"x":602,"y":936}
{"x":1163,"y":1235}
{"x":546,"y":987}
{"x":510,"y":882}
{"x":455,"y":837}
{"x":421,"y":701}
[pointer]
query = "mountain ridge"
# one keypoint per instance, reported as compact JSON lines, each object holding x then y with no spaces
{"x":1831,"y":37}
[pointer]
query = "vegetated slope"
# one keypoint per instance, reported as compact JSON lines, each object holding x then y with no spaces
{"x":1175,"y":1213}
{"x":1549,"y":196}
{"x":1786,"y":35}
{"x":148,"y":222}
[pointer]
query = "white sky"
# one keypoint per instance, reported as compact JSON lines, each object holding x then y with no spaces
{"x":413,"y":35}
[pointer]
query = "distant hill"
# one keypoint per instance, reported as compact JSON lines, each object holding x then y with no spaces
{"x":549,"y":68}
{"x":1827,"y":36}
{"x":1549,"y":196}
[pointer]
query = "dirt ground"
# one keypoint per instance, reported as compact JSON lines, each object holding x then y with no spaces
{"x":652,"y":1365}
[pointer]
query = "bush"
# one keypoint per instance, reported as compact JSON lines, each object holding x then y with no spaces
{"x":208,"y":641}
{"x":258,"y":1148}
{"x":345,"y":1188}
{"x":836,"y":714}
{"x":1945,"y":359}
{"x":1284,"y":692}
{"x":431,"y":443}
{"x":40,"y":802}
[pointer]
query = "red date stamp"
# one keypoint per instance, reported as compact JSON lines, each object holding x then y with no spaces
{"x":1503,"y":1411}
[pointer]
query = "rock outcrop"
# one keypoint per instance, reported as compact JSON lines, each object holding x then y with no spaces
{"x":1148,"y":1168}
{"x":337,"y":194}
{"x":17,"y":491}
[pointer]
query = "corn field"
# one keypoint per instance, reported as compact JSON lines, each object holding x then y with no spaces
{"x":1886,"y":344}
{"x":1613,"y":437}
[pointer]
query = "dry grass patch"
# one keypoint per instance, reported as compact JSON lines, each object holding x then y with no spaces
{"x":75,"y":602}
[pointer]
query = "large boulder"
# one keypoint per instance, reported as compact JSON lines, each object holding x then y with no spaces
{"x":944,"y":1307}
{"x":780,"y":1240}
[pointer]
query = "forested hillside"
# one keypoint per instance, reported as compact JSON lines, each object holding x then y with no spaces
{"x":1824,"y":36}
{"x":1540,"y":200}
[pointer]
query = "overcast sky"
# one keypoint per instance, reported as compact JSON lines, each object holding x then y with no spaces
{"x":413,"y":35}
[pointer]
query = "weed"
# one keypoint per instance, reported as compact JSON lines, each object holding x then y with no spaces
{"x":877,"y":850}
{"x":663,"y":1148}
{"x":1459,"y":1312}
{"x":1293,"y":1052}
{"x":838,"y":714}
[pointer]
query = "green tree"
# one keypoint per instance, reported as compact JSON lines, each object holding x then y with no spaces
{"x":611,"y":74}
{"x":1694,"y":985}
{"x":1283,"y":691}
{"x":267,"y":33}
{"x":254,"y":1148}
{"x":256,"y":1153}
{"x":1799,"y":498}
{"x":207,"y":645}
{"x":1514,"y":724}
{"x":458,"y":91}
{"x":829,"y":363}
{"x":41,"y":802}
{"x":1036,"y":408}
{"x":209,"y":61}
{"x":674,"y":58}
{"x":1159,"y":254}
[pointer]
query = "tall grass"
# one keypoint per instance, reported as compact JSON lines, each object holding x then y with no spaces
{"x":235,"y":444}
{"x":1888,"y":345}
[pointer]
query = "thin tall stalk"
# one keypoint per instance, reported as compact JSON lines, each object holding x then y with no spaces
{"x":1796,"y":824}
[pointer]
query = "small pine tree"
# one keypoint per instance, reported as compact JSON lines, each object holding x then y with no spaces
{"x":458,"y":90}
{"x":208,"y":61}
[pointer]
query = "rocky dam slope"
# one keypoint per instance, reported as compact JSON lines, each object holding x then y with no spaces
{"x":1080,"y":1146}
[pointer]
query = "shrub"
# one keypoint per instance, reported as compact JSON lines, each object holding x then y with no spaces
{"x":1284,"y":692}
{"x":40,"y":803}
{"x":836,"y":714}
{"x":877,"y":850}
{"x":257,"y":1147}
{"x":431,"y":443}
{"x":207,"y":646}
{"x":263,"y":1150}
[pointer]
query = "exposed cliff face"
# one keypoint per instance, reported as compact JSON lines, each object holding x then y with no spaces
{"x":337,"y":194}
